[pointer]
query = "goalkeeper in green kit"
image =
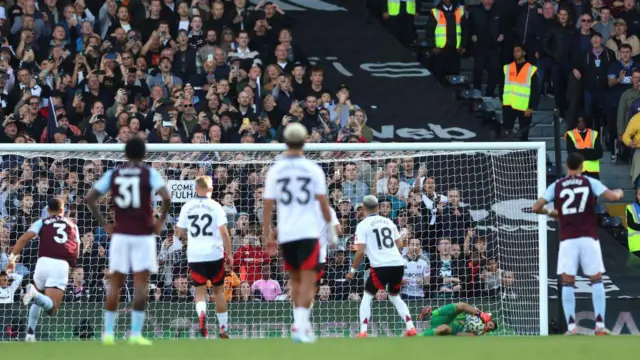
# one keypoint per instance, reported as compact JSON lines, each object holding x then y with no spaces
{"x":452,"y":320}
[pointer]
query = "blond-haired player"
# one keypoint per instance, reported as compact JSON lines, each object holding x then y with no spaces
{"x":203,"y":224}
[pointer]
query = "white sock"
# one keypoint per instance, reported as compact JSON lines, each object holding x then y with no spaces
{"x":201,"y":307}
{"x":403,"y":310}
{"x":223,"y":319}
{"x":301,"y":318}
{"x":365,"y":311}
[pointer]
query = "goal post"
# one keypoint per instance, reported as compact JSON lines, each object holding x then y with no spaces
{"x":501,"y":268}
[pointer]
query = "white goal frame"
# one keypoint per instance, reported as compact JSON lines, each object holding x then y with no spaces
{"x":540,"y":147}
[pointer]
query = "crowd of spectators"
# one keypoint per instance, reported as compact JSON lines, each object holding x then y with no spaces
{"x":207,"y":72}
{"x":586,"y":52}
{"x":445,"y":255}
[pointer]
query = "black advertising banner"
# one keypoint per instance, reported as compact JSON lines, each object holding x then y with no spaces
{"x":403,"y":101}
{"x":622,"y":317}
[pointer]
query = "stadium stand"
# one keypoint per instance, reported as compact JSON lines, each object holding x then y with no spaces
{"x":233,"y":71}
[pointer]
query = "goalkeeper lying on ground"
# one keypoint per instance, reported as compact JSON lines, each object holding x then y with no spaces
{"x":456,"y":319}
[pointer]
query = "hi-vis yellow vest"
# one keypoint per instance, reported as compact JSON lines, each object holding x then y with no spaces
{"x":393,"y":7}
{"x":517,"y":86}
{"x":441,"y":27}
{"x":589,"y":142}
{"x":633,"y":237}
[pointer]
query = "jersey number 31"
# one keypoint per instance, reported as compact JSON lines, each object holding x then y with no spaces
{"x":570,"y":205}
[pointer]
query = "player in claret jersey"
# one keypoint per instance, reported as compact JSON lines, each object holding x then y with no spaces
{"x":208,"y":241}
{"x":132,"y":245}
{"x":574,"y":198}
{"x":295,"y":183}
{"x":57,"y":252}
{"x":378,"y":237}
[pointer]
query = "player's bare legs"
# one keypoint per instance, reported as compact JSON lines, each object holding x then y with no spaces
{"x":365,"y":313}
{"x":201,"y":308}
{"x":111,"y":307}
{"x":569,"y":302}
{"x":140,"y":297}
{"x":221,"y":311}
{"x":599,"y":303}
{"x":403,"y":311}
{"x":49,"y":302}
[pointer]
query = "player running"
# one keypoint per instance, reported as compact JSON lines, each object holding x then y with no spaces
{"x":575,"y":198}
{"x":451,"y":320}
{"x":379,"y":238}
{"x":57,"y":252}
{"x":208,"y":241}
{"x":295,"y":183}
{"x":133,"y":244}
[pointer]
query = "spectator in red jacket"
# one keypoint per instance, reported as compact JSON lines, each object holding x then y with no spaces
{"x":249,"y":258}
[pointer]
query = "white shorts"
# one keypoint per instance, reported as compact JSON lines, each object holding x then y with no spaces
{"x":51,"y":273}
{"x":134,"y":253}
{"x":584,"y":252}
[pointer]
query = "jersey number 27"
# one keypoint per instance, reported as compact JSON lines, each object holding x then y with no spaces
{"x":571,"y":205}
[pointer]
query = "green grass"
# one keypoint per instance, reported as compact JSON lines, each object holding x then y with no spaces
{"x":420,"y":348}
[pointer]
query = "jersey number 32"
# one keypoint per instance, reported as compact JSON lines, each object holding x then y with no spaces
{"x":575,"y":200}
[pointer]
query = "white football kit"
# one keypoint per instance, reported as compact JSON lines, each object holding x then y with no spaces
{"x":379,"y":235}
{"x":324,"y":233}
{"x":294,"y":182}
{"x":202,"y":218}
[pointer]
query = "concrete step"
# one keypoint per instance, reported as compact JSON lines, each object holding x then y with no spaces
{"x":421,"y":21}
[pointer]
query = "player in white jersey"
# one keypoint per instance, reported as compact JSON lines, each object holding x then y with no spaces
{"x":203,"y":224}
{"x":324,"y":240}
{"x":294,"y":183}
{"x":379,"y":239}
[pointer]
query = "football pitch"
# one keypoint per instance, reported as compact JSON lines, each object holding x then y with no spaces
{"x":494,"y":348}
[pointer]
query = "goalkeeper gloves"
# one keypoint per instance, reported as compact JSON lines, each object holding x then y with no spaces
{"x":485,"y":317}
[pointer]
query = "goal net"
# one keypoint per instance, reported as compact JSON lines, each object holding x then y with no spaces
{"x":462,"y":214}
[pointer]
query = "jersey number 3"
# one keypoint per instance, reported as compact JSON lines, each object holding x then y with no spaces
{"x":61,"y":233}
{"x":570,"y":205}
{"x":128,"y":192}
{"x":303,"y":188}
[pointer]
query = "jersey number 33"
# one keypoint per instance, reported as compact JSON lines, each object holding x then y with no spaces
{"x":299,"y":185}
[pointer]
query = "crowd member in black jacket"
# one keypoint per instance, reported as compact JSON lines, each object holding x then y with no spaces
{"x":557,"y":45}
{"x":544,"y":62}
{"x":447,"y":272}
{"x":529,"y":26}
{"x":591,"y":69}
{"x":486,"y":29}
{"x":631,"y":16}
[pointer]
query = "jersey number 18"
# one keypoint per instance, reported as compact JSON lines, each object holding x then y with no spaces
{"x":383,"y":238}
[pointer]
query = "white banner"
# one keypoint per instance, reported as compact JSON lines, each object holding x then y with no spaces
{"x":181,"y":190}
